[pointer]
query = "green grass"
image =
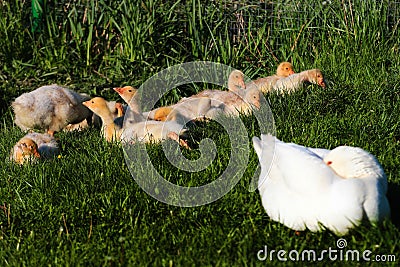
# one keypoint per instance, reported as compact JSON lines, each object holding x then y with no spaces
{"x":85,"y":208}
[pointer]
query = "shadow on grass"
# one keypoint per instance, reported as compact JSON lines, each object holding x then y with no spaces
{"x":393,"y":196}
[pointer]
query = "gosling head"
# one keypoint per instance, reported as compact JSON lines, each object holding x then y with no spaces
{"x":120,"y":109}
{"x":316,"y":77}
{"x":236,"y":81}
{"x":162,"y":113}
{"x":285,"y":69}
{"x":98,"y":105}
{"x":126,"y":92}
{"x":253,"y":97}
{"x":25,"y":150}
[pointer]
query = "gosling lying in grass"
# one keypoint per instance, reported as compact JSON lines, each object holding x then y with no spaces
{"x":133,"y":130}
{"x":231,"y":103}
{"x":186,"y":110}
{"x":210,"y":103}
{"x":295,"y":81}
{"x":191,"y":108}
{"x":34,"y":146}
{"x":117,"y":110}
{"x":266,"y":84}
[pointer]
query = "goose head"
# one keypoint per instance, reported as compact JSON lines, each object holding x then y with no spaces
{"x":353,"y":162}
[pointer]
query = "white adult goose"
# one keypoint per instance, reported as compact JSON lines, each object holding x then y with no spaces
{"x":317,"y":188}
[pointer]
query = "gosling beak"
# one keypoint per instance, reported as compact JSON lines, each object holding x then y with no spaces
{"x":242,"y":85}
{"x":118,"y":90}
{"x":36,"y":154}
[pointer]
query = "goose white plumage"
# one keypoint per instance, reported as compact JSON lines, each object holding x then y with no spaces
{"x":317,"y":188}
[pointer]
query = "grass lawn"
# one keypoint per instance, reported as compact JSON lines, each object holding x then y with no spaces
{"x":85,"y":207}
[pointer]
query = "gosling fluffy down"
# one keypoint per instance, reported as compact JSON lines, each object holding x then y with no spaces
{"x":49,"y":108}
